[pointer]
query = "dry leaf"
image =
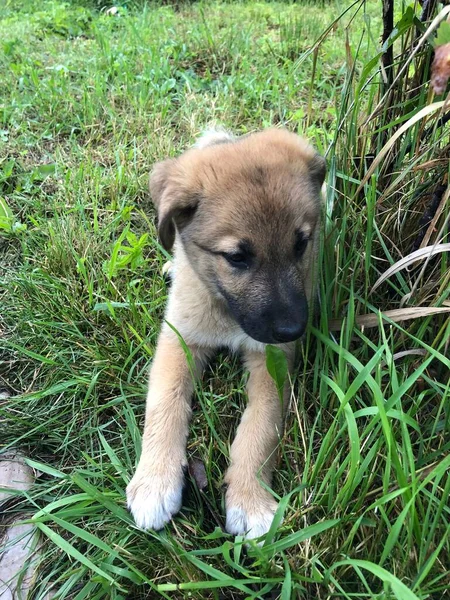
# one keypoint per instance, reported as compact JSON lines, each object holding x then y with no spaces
{"x":397,"y":315}
{"x":420,"y":254}
{"x":440,"y":69}
{"x":424,"y":112}
{"x":198,"y":473}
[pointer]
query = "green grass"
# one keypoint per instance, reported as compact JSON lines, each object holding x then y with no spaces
{"x":87,"y":103}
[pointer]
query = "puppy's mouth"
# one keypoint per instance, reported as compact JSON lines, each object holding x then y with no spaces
{"x":268,"y":333}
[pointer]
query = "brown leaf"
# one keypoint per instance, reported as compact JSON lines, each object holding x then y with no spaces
{"x":440,"y":69}
{"x":198,"y":473}
{"x":397,"y":315}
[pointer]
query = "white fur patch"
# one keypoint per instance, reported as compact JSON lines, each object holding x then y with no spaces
{"x":168,"y":269}
{"x":251,"y":525}
{"x":153,"y":501}
{"x":214,"y":136}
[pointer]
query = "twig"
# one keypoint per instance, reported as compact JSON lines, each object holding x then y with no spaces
{"x":387,"y":58}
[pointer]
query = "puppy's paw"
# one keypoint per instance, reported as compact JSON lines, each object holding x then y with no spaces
{"x":250,"y":514}
{"x":167,"y":270}
{"x":153,"y":499}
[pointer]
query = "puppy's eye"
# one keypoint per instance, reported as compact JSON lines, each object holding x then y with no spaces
{"x":300,"y":244}
{"x":236,"y":259}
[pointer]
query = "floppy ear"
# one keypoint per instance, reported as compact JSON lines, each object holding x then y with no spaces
{"x":317,"y":169}
{"x":159,"y":179}
{"x":175,"y":205}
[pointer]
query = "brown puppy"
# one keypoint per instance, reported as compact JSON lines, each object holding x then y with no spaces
{"x":242,"y":215}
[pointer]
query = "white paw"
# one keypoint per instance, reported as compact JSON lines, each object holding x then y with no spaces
{"x":154,"y":499}
{"x":251,"y":522}
{"x":167,"y":269}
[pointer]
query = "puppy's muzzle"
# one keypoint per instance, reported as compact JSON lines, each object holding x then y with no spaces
{"x":278,"y":324}
{"x":288,"y":332}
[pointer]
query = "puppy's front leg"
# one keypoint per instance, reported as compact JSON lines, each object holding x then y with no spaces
{"x":250,"y":507}
{"x":154,"y":493}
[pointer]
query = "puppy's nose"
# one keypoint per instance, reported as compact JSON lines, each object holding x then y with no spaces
{"x":288,"y":332}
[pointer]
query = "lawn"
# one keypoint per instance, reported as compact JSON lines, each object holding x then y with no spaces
{"x":88,"y":102}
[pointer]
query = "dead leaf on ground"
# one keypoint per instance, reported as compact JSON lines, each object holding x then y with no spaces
{"x":198,"y":473}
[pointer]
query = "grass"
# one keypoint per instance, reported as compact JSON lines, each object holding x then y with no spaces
{"x":88,"y":102}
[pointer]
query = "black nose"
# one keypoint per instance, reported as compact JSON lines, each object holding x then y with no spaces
{"x":288,"y":332}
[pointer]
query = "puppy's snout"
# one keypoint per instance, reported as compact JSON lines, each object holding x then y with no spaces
{"x":289,"y":323}
{"x":288,"y":332}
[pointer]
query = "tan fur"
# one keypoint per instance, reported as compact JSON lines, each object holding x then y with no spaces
{"x":250,"y":507}
{"x":263,"y":188}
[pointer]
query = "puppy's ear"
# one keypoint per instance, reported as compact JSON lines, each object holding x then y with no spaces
{"x":159,"y":179}
{"x":317,"y":169}
{"x":175,"y":205}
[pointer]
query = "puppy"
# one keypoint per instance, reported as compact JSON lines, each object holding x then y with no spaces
{"x":241,"y":215}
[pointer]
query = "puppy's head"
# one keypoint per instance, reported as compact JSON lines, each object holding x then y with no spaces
{"x":246,"y":211}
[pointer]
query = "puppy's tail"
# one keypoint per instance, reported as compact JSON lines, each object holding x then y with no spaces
{"x":214,"y":136}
